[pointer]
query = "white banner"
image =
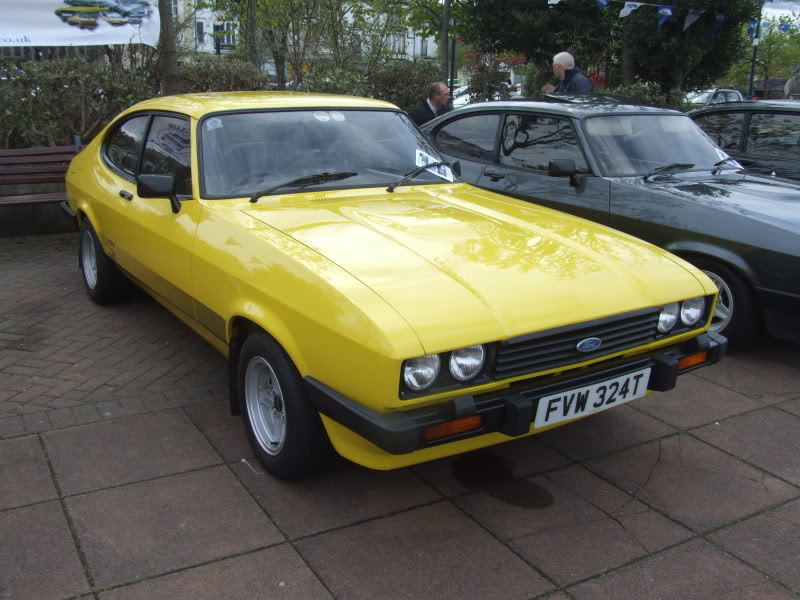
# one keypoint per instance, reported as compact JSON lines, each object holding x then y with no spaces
{"x":78,"y":22}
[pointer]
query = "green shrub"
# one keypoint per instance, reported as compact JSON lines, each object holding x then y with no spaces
{"x":404,"y":82}
{"x":208,"y":73}
{"x":327,"y":79}
{"x":535,"y":79}
{"x":52,"y":101}
{"x":648,"y":93}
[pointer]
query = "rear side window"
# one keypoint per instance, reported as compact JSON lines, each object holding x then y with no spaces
{"x":724,"y":128}
{"x":167,"y":151}
{"x":470,"y":137}
{"x":531,"y":142}
{"x":774,"y":135}
{"x":125,"y":144}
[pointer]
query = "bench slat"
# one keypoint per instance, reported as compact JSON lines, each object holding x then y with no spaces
{"x":17,"y":179}
{"x":40,"y":151}
{"x":54,"y":169}
{"x":32,"y":160}
{"x":47,"y":198}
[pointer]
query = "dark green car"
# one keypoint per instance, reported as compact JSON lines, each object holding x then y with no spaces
{"x":650,"y":172}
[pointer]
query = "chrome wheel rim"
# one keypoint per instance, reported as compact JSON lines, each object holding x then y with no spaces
{"x":88,"y":260}
{"x":265,"y":405}
{"x":723,"y":312}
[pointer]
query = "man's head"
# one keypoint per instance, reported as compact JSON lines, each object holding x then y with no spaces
{"x":562,"y":62}
{"x":438,"y":94}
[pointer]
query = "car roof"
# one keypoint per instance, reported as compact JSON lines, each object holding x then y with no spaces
{"x":198,"y":105}
{"x":570,"y":106}
{"x":750,"y":105}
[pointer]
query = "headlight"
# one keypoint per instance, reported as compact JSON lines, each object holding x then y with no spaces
{"x":668,"y":317}
{"x":420,"y":373}
{"x":692,"y":311}
{"x":466,"y":363}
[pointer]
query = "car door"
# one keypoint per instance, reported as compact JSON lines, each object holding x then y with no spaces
{"x":526,"y":145}
{"x":772,"y":143}
{"x":152,"y":243}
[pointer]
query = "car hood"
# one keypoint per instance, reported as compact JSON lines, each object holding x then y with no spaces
{"x":448,"y":255}
{"x":766,"y":198}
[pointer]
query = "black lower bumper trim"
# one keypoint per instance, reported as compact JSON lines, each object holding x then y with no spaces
{"x":509,"y":411}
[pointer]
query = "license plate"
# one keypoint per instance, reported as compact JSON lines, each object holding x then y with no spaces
{"x":593,"y":398}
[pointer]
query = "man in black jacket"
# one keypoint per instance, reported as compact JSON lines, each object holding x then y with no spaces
{"x":572,"y":80}
{"x":434,"y":105}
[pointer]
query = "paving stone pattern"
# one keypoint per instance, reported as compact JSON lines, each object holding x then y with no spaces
{"x":124,"y":477}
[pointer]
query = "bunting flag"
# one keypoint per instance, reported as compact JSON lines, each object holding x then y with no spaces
{"x":550,"y":2}
{"x":664,"y":13}
{"x":693,"y":15}
{"x":601,"y":4}
{"x":718,"y":20}
{"x":751,"y":28}
{"x":629,"y":8}
{"x":784,"y":27}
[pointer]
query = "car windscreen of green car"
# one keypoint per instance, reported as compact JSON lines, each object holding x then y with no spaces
{"x":368,"y":302}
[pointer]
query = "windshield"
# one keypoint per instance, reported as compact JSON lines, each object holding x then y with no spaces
{"x":243,"y":153}
{"x":631,"y":145}
{"x":698,"y":97}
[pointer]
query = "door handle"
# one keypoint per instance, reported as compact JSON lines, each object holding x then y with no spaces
{"x":494,"y":175}
{"x":126,"y":195}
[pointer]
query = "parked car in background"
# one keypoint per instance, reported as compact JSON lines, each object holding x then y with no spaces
{"x":363,"y":296}
{"x":763,"y":135}
{"x":650,"y":172}
{"x":713,"y":96}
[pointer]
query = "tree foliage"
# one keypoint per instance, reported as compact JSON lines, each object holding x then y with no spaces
{"x":672,"y":58}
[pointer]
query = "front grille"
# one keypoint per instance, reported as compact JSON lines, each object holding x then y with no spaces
{"x":558,"y":347}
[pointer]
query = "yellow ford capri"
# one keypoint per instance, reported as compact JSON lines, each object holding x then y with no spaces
{"x":366,"y":300}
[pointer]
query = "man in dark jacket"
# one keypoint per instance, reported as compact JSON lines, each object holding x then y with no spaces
{"x":434,"y":105}
{"x":572,"y":80}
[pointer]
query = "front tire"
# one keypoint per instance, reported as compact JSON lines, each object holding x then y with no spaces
{"x":735,"y":315}
{"x":284,"y":429}
{"x":103,"y":282}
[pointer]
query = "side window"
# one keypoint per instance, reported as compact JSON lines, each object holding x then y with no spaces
{"x":725,"y":129}
{"x":531,"y":142}
{"x":471,"y":137}
{"x":774,"y":136}
{"x":125,"y":143}
{"x":167,"y":151}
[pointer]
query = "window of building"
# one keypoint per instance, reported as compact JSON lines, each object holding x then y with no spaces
{"x":200,"y":33}
{"x":423,"y":47}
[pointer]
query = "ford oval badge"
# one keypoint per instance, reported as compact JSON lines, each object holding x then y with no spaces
{"x":589,"y":344}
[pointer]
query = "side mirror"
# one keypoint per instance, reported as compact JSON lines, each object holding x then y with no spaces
{"x":563,"y":167}
{"x":455,"y":167}
{"x":158,"y":186}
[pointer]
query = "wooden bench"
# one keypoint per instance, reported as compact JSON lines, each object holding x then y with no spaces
{"x":30,"y":177}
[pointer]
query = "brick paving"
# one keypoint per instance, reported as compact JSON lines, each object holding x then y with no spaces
{"x":124,"y":477}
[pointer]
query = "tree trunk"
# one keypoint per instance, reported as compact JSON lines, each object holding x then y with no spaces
{"x":169,"y":52}
{"x":627,"y":62}
{"x":444,"y":36}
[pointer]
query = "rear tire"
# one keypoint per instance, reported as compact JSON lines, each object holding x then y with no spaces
{"x":102,"y":279}
{"x":736,"y":316}
{"x":284,"y":429}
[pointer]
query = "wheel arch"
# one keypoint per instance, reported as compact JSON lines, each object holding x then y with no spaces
{"x":688,"y":249}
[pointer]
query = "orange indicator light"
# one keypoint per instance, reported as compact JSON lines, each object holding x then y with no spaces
{"x":692,"y":360}
{"x":435,"y":432}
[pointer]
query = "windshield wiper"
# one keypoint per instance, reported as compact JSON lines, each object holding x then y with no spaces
{"x":669,"y":167}
{"x":304,"y":181}
{"x":718,"y":165}
{"x":411,"y":174}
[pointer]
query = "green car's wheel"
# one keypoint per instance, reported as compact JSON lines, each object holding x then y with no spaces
{"x":735,"y":316}
{"x":103,"y":281}
{"x":285,"y":431}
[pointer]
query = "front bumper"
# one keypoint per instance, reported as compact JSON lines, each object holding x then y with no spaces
{"x":509,"y":411}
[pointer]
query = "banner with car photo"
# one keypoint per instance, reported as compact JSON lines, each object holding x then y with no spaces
{"x":78,"y":22}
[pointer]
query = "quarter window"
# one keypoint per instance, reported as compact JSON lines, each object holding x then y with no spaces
{"x":774,"y":135}
{"x":471,"y":137}
{"x":125,"y":144}
{"x":532,"y":141}
{"x":167,"y":151}
{"x":724,"y":128}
